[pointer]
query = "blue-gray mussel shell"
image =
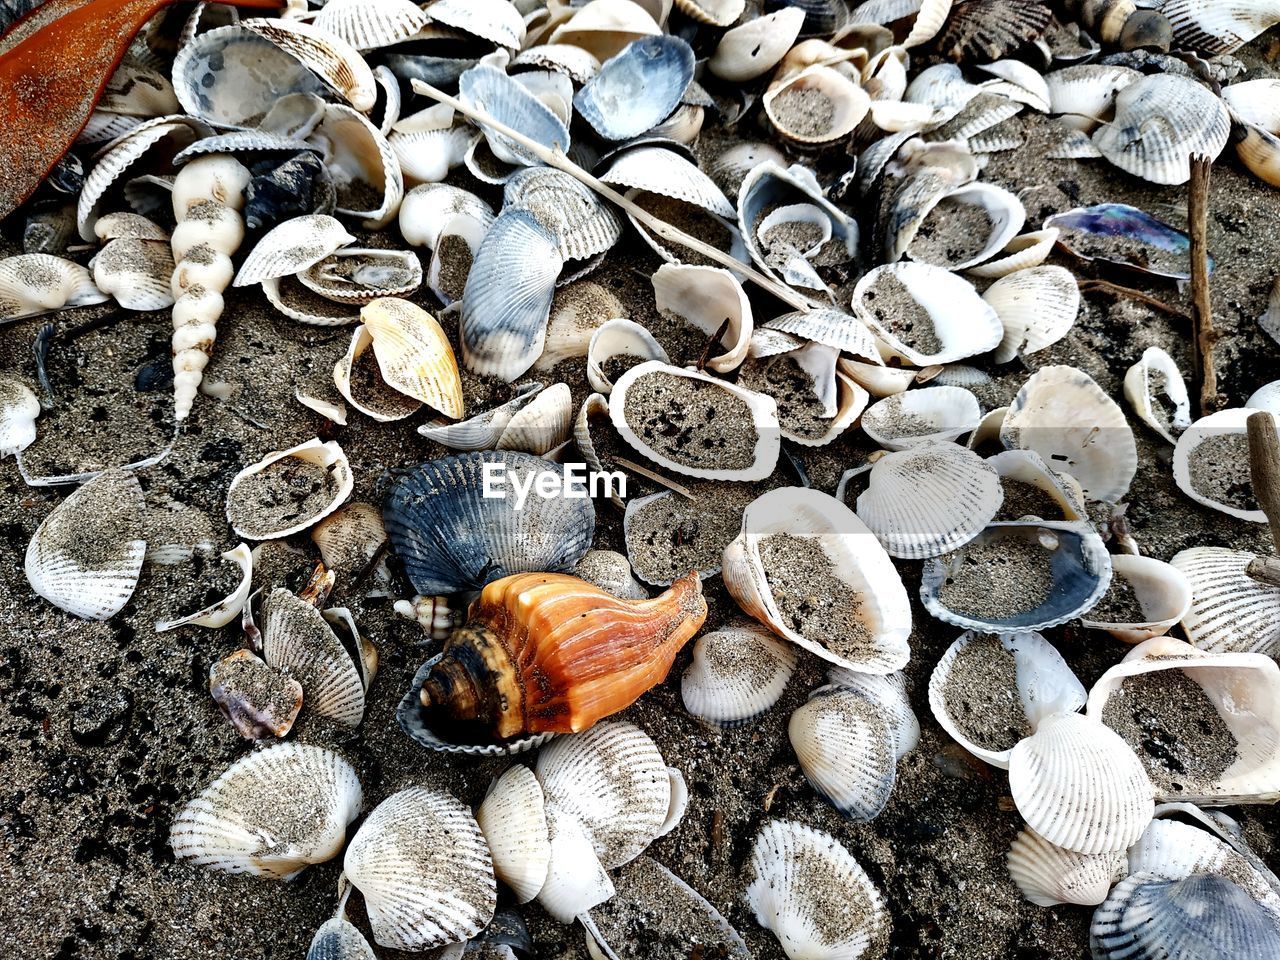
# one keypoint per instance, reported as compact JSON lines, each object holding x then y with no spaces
{"x":337,"y":939}
{"x":1202,"y":916}
{"x":637,"y":89}
{"x":452,"y":538}
{"x":1170,"y":248}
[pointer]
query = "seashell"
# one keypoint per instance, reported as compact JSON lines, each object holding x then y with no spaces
{"x":620,"y":338}
{"x":905,"y":420}
{"x":231,"y":76}
{"x":1239,"y":688}
{"x":1022,"y":252}
{"x":731,"y":166}
{"x":1198,"y":916}
{"x":660,"y":66}
{"x":927,"y":314}
{"x":1161,"y":122}
{"x":1037,"y":307}
{"x":1218,"y":28}
{"x":1211,"y":464}
{"x":263,"y":501}
{"x":513,"y":819}
{"x":795,"y":538}
{"x":1064,"y":416}
{"x":114,"y":226}
{"x":878,"y":379}
{"x":36,"y":283}
{"x":846,"y":749}
{"x":582,"y":223}
{"x":456,"y":249}
{"x":510,"y":103}
{"x":272,"y":813}
{"x":1002,"y":211}
{"x":327,"y":55}
{"x":299,"y":186}
{"x":337,"y":939}
{"x":484,"y":430}
{"x":989,"y":692}
{"x":1049,"y":875}
{"x":542,"y":424}
{"x":613,"y":781}
{"x":833,"y":328}
{"x":508,"y":295}
{"x":1084,"y":94}
{"x":991,"y":29}
{"x":296,"y":302}
{"x":604,"y":27}
{"x":611,"y":571}
{"x":576,"y":881}
{"x":1255,"y":125}
{"x":755,"y":47}
{"x":1015,"y":577}
{"x":575,"y":63}
{"x":427,"y":150}
{"x":497,"y":21}
{"x":260,"y":701}
{"x":1152,"y":386}
{"x":551,"y":87}
{"x":221,"y":612}
{"x":943,"y":87}
{"x":424,"y":869}
{"x":371,"y":24}
{"x":86,"y":555}
{"x":1165,"y":252}
{"x":436,"y":617}
{"x":293,"y":247}
{"x":413,"y":353}
{"x":807,"y":385}
{"x":135,"y":272}
{"x":593,"y":653}
{"x":707,"y":298}
{"x":298,"y":640}
{"x":662,"y":171}
{"x":451,"y":537}
{"x":651,"y":397}
{"x":1161,"y":592}
{"x":889,"y":691}
{"x":362,"y":163}
{"x":428,"y":209}
{"x":929,"y":499}
{"x":358,"y":378}
{"x":362,"y":274}
{"x":816,"y":105}
{"x":1230,"y":611}
{"x":19,"y":409}
{"x":803,"y":882}
{"x":736,"y":674}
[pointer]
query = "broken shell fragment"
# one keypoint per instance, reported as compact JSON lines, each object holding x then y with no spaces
{"x":576,"y":881}
{"x":707,"y":298}
{"x":1116,"y":233}
{"x":298,"y":640}
{"x":413,"y":353}
{"x":614,"y":340}
{"x":338,"y":939}
{"x":1211,"y":464}
{"x":350,"y":538}
{"x":222,"y":612}
{"x":19,"y":409}
{"x":1022,"y":252}
{"x":1152,"y":386}
{"x":755,"y":47}
{"x":288,"y":491}
{"x":260,"y":701}
{"x":361,"y":274}
{"x":737,"y":673}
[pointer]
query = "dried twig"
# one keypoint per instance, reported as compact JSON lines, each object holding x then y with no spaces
{"x":655,"y":477}
{"x":1201,"y":307}
{"x":1265,"y":570}
{"x":555,"y":158}
{"x":711,"y":342}
{"x":1115,"y":289}
{"x":1264,"y":469}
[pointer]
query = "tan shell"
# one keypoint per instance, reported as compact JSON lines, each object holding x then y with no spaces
{"x":414,"y":353}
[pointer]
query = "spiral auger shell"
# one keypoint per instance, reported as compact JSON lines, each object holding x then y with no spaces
{"x":208,"y":195}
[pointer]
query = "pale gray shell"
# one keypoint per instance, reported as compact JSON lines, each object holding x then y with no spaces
{"x":297,"y":639}
{"x":338,"y":939}
{"x":1048,"y":875}
{"x":1219,"y":27}
{"x":512,"y":104}
{"x":638,"y":88}
{"x":292,"y":247}
{"x":582,"y":223}
{"x":662,"y":171}
{"x":370,"y":24}
{"x":610,"y":571}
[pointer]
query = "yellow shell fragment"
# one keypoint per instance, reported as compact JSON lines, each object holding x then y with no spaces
{"x":414,"y":354}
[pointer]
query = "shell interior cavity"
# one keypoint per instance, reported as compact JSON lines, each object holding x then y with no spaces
{"x":288,"y":491}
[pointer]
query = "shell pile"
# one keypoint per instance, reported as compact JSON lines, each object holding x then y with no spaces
{"x":723,"y":349}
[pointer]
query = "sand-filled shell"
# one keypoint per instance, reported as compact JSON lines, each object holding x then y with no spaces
{"x":1064,"y":416}
{"x":292,"y":247}
{"x":1120,"y":234}
{"x":1032,"y":489}
{"x":327,"y":55}
{"x":1230,"y":611}
{"x":618,"y":338}
{"x":288,"y":491}
{"x":350,"y":538}
{"x":1001,"y":213}
{"x":988,"y":692}
{"x":221,"y":612}
{"x":297,"y":639}
{"x":1037,"y":307}
{"x":1083,"y":95}
{"x":1022,"y":252}
{"x":414,"y":354}
{"x":35,"y":283}
{"x":1236,"y":711}
{"x":926,"y":313}
{"x":424,"y":869}
{"x":358,"y":378}
{"x":706,"y":297}
{"x":809,"y":892}
{"x":1211,"y":464}
{"x":86,"y":555}
{"x":576,"y":881}
{"x":1154,"y":384}
{"x":638,"y":88}
{"x":1079,"y":786}
{"x":737,"y":673}
{"x":271,"y":813}
{"x":928,"y":499}
{"x":1202,"y":915}
{"x":815,"y":105}
{"x":19,"y":409}
{"x":338,"y":939}
{"x":1219,"y":27}
{"x":1154,"y":596}
{"x":512,"y":104}
{"x":610,"y":571}
{"x":806,"y":567}
{"x":1018,"y":576}
{"x":1162,"y":121}
{"x":919,"y":417}
{"x":364,"y":168}
{"x":513,"y":819}
{"x":451,"y":537}
{"x":676,"y":418}
{"x":361,"y":274}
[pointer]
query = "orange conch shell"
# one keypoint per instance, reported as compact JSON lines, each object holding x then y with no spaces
{"x":549,"y":653}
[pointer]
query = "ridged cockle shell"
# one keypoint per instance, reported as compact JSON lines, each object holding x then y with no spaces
{"x":546,"y":652}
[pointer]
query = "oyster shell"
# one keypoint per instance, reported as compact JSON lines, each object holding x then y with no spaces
{"x":611,"y":101}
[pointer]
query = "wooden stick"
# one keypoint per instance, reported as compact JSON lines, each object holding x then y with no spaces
{"x":655,"y":477}
{"x":556,"y":158}
{"x":1264,"y":469}
{"x":1106,"y":286}
{"x":1265,"y":570}
{"x":1201,"y":306}
{"x":711,"y":342}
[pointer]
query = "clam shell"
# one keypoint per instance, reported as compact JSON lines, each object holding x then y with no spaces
{"x":1211,"y":464}
{"x":1037,"y":307}
{"x":905,"y":420}
{"x":754,"y":48}
{"x":1084,"y":94}
{"x":135,"y":272}
{"x":1138,"y":230}
{"x":272,"y":813}
{"x":1154,"y":374}
{"x":374,"y":399}
{"x":508,"y":296}
{"x":298,"y":640}
{"x":660,"y":66}
{"x":802,"y":884}
{"x":86,"y":555}
{"x":1064,"y":416}
{"x":370,"y":24}
{"x":975,"y":32}
{"x":1161,"y":590}
{"x":578,"y":310}
{"x":414,"y":354}
{"x":737,"y":674}
{"x":221,"y":612}
{"x":1266,"y":397}
{"x":1068,"y":560}
{"x":730,"y":167}
{"x":610,"y":571}
{"x":929,"y":499}
{"x":19,"y":409}
{"x":361,"y":274}
{"x":799,"y":377}
{"x":1004,"y":212}
{"x":513,"y":819}
{"x":484,"y":430}
{"x":961,"y":323}
{"x":832,"y":328}
{"x":337,"y":939}
{"x":619,"y":338}
{"x":1022,"y":252}
{"x":292,"y":247}
{"x":576,"y":881}
{"x":705,"y":298}
{"x":245,"y":497}
{"x":846,"y":748}
{"x":115,"y":226}
{"x":575,"y":63}
{"x":495,"y":20}
{"x":1216,"y":28}
{"x":614,"y":782}
{"x":453,"y":538}
{"x":582,"y":223}
{"x":458,"y":244}
{"x":849,"y":105}
{"x":36,"y":283}
{"x":360,"y":160}
{"x":662,"y":171}
{"x":643,"y":422}
{"x":1049,"y":875}
{"x":878,"y":379}
{"x":1040,"y":683}
{"x":542,"y":424}
{"x":1161,"y":122}
{"x":1230,"y":611}
{"x":427,"y":155}
{"x":872,"y":635}
{"x":424,"y":870}
{"x":428,"y":208}
{"x":510,"y":103}
{"x":327,"y":55}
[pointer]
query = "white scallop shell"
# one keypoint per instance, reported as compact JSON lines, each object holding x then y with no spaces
{"x":1079,"y":786}
{"x":1004,"y":212}
{"x":662,"y":171}
{"x":1230,"y":611}
{"x":736,"y":674}
{"x":934,"y":414}
{"x":222,"y":612}
{"x":1162,"y":591}
{"x":1084,"y":94}
{"x":35,"y":283}
{"x":1037,"y":307}
{"x":370,"y":24}
{"x":753,"y":48}
{"x":361,"y":274}
{"x":272,"y":813}
{"x":328,"y":56}
{"x":424,"y":869}
{"x":802,"y":884}
{"x":513,"y":819}
{"x":19,"y":409}
{"x":1219,"y":27}
{"x":847,"y":750}
{"x":578,"y":309}
{"x":484,"y":430}
{"x":619,"y":338}
{"x":86,"y":555}
{"x":338,"y":939}
{"x":1233,"y":460}
{"x":576,"y":881}
{"x":350,"y":537}
{"x":135,"y":272}
{"x":849,"y":103}
{"x":1049,"y":875}
{"x":705,"y":297}
{"x":328,"y":455}
{"x":292,"y":247}
{"x":495,"y":20}
{"x":542,"y":424}
{"x":1156,"y":373}
{"x":297,"y":639}
{"x":357,"y":153}
{"x":1266,"y":397}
